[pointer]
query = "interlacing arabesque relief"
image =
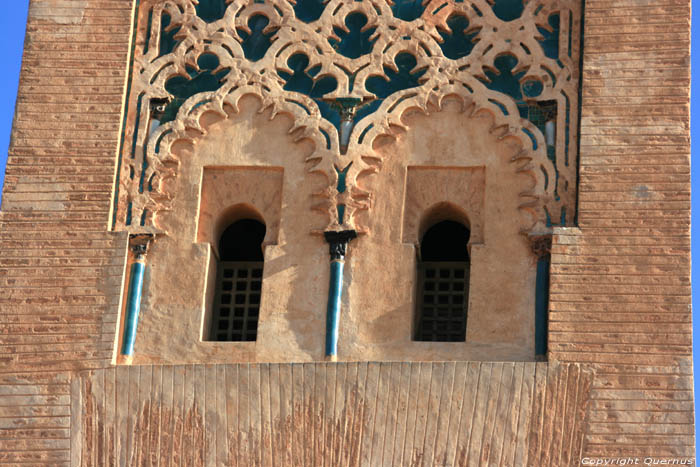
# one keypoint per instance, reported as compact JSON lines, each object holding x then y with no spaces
{"x":346,"y":71}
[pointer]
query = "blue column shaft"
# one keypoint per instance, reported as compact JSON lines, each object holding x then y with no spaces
{"x":541,"y":306}
{"x":335,"y":291}
{"x":133,"y":306}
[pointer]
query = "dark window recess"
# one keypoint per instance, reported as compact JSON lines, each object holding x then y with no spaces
{"x":239,"y":282}
{"x":443,"y":284}
{"x":237,"y":303}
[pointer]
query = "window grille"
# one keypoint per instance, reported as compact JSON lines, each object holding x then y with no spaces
{"x":237,"y":302}
{"x":539,"y":113}
{"x":443,"y":291}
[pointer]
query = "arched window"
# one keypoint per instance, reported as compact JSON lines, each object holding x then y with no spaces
{"x":239,"y":282}
{"x":443,"y":284}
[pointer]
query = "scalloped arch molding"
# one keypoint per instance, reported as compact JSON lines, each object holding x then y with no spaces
{"x":370,"y":60}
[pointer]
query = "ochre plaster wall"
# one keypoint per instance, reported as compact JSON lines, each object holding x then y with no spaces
{"x":619,"y":304}
{"x":379,"y":299}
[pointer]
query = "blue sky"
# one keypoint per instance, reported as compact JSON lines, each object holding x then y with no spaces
{"x":12,"y":27}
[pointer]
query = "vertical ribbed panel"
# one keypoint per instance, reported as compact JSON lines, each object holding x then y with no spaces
{"x":345,"y":414}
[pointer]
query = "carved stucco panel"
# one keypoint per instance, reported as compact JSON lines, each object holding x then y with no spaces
{"x":373,"y":60}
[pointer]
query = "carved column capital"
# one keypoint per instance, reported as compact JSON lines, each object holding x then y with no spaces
{"x":338,"y":242}
{"x":139,"y":243}
{"x":541,"y":245}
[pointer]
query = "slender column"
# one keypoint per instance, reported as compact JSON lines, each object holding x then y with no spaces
{"x":541,"y":246}
{"x":139,"y":245}
{"x":337,"y":242}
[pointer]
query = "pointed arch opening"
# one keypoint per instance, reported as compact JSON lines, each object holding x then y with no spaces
{"x":239,"y":282}
{"x":443,"y":283}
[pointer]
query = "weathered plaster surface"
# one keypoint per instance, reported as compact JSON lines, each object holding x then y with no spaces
{"x":349,"y":414}
{"x":58,"y":11}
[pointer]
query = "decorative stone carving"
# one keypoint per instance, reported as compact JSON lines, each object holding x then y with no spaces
{"x":338,"y":243}
{"x":138,"y":244}
{"x":347,"y":72}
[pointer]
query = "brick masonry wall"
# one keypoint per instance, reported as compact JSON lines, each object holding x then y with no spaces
{"x":620,"y":292}
{"x":60,"y":270}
